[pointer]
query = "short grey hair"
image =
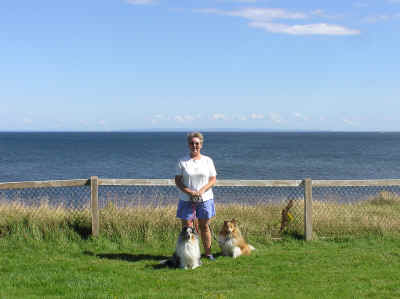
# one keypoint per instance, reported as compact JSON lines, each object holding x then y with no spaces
{"x":192,"y":135}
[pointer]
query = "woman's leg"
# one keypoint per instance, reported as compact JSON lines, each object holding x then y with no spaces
{"x":186,"y":214}
{"x":205,"y":235}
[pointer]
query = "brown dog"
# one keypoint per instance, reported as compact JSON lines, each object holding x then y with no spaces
{"x":231,"y":241}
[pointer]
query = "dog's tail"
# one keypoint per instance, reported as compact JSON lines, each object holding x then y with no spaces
{"x":246,"y":249}
{"x":172,"y":262}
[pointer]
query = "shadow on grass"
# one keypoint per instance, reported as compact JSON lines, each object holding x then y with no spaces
{"x":164,"y":261}
{"x":84,"y":231}
{"x":292,"y":235}
{"x":127,"y":256}
{"x":167,"y":263}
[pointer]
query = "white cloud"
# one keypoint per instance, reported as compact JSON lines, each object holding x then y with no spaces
{"x":140,"y":2}
{"x":218,"y":116}
{"x":266,"y":14}
{"x":263,"y":18}
{"x":239,"y":117}
{"x":160,"y":117}
{"x":300,"y":116}
{"x":308,"y":29}
{"x":59,"y":124}
{"x":257,"y":14}
{"x":240,"y":1}
{"x":380,"y":18}
{"x":157,"y":118}
{"x":257,"y":116}
{"x":27,"y":120}
{"x":179,"y":118}
{"x":350,"y":122}
{"x":322,"y":14}
{"x":84,"y":123}
{"x":275,"y":117}
{"x":185,"y":118}
{"x":318,"y":12}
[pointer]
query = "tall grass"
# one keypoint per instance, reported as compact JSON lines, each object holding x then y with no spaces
{"x":43,"y":222}
{"x":145,"y":223}
{"x":377,"y":215}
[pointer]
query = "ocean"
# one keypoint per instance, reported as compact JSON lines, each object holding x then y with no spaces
{"x":27,"y":156}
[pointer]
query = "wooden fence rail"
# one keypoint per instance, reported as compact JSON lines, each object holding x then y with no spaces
{"x":94,"y":182}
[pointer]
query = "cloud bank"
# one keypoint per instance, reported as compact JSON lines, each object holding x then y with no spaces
{"x":140,"y":2}
{"x":308,"y":29}
{"x":267,"y":19}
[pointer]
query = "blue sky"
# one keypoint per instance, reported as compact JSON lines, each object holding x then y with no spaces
{"x":248,"y":64}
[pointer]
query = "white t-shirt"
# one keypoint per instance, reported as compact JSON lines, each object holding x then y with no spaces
{"x":196,"y":174}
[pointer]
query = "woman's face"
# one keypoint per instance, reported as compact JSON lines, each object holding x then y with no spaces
{"x":195,"y":146}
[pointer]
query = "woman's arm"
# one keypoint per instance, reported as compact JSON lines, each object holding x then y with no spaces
{"x":183,"y":188}
{"x":211,"y":182}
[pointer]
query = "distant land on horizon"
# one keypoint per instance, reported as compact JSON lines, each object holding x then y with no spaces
{"x":239,"y":130}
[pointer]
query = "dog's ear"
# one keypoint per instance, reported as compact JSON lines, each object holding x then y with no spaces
{"x":233,"y":220}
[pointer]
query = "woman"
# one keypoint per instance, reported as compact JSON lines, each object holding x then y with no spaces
{"x":196,"y":175}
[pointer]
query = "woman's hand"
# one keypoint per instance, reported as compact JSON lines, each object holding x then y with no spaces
{"x":194,"y":193}
{"x":195,"y":196}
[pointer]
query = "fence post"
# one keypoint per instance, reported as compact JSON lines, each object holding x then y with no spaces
{"x":308,"y":209}
{"x":94,"y":200}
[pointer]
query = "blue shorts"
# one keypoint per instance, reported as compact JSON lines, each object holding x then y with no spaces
{"x":201,"y":210}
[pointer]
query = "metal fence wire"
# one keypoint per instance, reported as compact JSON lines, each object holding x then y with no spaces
{"x":355,"y":210}
{"x":71,"y":198}
{"x":38,"y":209}
{"x":258,"y":210}
{"x":262,"y":208}
{"x":136,"y":196}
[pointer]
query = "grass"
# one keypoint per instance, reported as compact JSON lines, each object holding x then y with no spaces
{"x":377,"y":215}
{"x":48,"y":252}
{"x":290,"y":268}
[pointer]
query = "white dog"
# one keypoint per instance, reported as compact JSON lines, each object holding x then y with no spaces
{"x":187,"y":251}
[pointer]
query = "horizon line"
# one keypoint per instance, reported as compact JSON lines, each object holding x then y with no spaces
{"x":222,"y":130}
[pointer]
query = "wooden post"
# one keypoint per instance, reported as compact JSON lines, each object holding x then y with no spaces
{"x":308,"y":209}
{"x":94,"y":200}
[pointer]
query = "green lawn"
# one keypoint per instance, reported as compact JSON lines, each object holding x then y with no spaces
{"x":368,"y":267}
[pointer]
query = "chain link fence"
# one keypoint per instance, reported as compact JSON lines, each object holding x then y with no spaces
{"x":71,"y":198}
{"x":263,"y":209}
{"x":41,"y":208}
{"x":258,"y":210}
{"x":354,"y":210}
